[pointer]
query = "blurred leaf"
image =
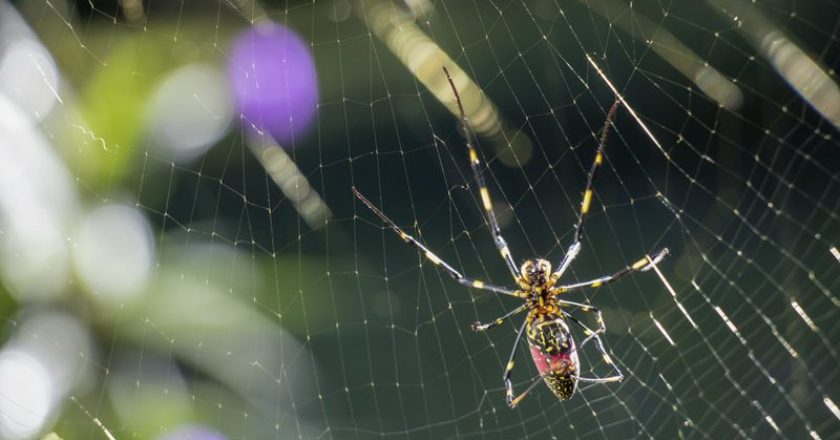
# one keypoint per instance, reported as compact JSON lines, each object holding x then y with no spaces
{"x":113,"y":107}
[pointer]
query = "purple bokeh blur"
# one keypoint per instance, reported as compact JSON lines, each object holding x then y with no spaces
{"x":274,"y":82}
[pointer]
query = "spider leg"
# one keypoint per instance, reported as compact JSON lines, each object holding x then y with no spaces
{"x":642,"y":265}
{"x":509,"y":369}
{"x":480,"y":327}
{"x":600,"y":379}
{"x":478,"y":284}
{"x":487,"y":203}
{"x":602,"y":327}
{"x":574,"y":249}
{"x":533,"y":384}
{"x":618,"y":376}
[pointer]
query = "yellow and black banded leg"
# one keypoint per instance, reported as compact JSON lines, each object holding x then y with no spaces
{"x":434,"y":259}
{"x":644,"y":264}
{"x":599,"y":318}
{"x":536,"y":381}
{"x":484,"y":193}
{"x":586,"y":202}
{"x":480,"y":326}
{"x":509,"y":368}
{"x":618,"y":375}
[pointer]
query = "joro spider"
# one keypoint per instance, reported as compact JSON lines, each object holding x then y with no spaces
{"x":551,"y":344}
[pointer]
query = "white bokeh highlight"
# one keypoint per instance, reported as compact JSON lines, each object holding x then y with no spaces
{"x":28,"y":74}
{"x":61,"y":342}
{"x":190,"y":111}
{"x":45,"y":360}
{"x":114,"y":253}
{"x":27,"y":395}
{"x":37,"y":199}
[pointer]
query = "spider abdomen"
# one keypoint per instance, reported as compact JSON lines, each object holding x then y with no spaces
{"x":554,"y":354}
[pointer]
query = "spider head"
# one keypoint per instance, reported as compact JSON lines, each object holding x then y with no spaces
{"x":536,"y":272}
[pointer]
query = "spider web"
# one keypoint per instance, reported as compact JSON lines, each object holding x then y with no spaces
{"x":157,"y":284}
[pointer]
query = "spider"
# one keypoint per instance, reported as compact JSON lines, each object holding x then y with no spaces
{"x":550,"y":341}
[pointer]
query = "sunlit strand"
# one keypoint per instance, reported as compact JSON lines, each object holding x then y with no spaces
{"x":725,"y":318}
{"x":673,"y":293}
{"x":663,"y":331}
{"x":95,"y":420}
{"x":804,"y":316}
{"x":772,"y":423}
{"x":628,"y":107}
{"x":831,"y":406}
{"x":793,"y":353}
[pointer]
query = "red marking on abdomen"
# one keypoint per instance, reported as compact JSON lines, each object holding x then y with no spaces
{"x":561,"y":363}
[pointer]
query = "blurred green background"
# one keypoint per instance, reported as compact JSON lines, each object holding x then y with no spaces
{"x":172,"y":269}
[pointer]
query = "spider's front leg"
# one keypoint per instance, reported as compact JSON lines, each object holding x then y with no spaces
{"x":483,"y":191}
{"x":431,"y":256}
{"x":642,"y":265}
{"x":586,"y":202}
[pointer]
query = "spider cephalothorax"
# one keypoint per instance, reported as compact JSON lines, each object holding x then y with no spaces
{"x":535,"y":274}
{"x":549,"y":338}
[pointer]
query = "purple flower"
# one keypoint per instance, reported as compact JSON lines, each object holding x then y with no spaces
{"x":274,"y":81}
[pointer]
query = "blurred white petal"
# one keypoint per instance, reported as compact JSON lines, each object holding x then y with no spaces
{"x":114,"y":252}
{"x":37,"y":199}
{"x":190,"y":111}
{"x":27,"y":395}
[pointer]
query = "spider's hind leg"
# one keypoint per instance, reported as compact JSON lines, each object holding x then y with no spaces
{"x":509,"y":369}
{"x":617,"y":374}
